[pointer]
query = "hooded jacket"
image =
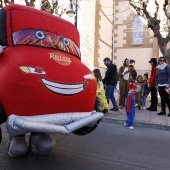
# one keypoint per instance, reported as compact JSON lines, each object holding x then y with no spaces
{"x":110,"y":75}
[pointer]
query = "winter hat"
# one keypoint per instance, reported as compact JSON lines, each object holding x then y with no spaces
{"x":132,"y":86}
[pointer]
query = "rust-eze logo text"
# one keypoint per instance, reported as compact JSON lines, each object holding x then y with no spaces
{"x":60,"y":58}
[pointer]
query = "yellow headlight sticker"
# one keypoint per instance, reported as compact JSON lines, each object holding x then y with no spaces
{"x":25,"y":69}
{"x":32,"y":70}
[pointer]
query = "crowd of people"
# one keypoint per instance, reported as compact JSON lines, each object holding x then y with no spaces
{"x":134,"y":88}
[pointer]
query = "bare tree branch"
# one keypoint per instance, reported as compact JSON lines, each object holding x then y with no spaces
{"x":53,"y":9}
{"x":46,"y":6}
{"x":7,"y":2}
{"x":31,"y":3}
{"x":157,"y":8}
{"x":141,"y":8}
{"x":154,"y":22}
{"x":55,"y":6}
{"x":165,"y":9}
{"x":62,"y":12}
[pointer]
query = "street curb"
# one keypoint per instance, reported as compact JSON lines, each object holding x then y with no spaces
{"x":137,"y":123}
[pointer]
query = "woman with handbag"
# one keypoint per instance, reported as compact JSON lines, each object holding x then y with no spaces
{"x":163,"y":82}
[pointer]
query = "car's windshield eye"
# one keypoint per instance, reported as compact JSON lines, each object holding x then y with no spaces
{"x":47,"y":39}
{"x":39,"y":35}
{"x":66,"y":41}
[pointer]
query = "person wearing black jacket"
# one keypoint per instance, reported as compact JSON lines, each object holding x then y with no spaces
{"x":110,"y":82}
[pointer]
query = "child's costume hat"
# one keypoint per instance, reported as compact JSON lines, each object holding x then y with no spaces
{"x":132,"y":86}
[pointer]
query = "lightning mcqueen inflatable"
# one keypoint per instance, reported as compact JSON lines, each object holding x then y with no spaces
{"x":44,"y":87}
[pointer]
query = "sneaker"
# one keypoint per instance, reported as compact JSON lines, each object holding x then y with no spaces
{"x":131,"y":127}
{"x":124,"y":124}
{"x":141,"y":107}
{"x":144,"y":108}
{"x":114,"y":109}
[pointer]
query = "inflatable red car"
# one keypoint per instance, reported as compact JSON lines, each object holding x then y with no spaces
{"x":44,"y":87}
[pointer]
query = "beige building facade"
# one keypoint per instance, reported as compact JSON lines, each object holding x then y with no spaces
{"x":111,"y":30}
{"x":122,"y":35}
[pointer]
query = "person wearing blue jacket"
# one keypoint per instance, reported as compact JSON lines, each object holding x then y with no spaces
{"x":163,"y":81}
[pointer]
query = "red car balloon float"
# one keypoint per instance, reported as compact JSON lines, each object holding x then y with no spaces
{"x":44,"y":87}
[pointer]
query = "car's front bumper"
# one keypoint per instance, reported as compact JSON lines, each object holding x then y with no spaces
{"x":60,"y":123}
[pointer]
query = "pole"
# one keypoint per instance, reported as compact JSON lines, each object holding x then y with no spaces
{"x":75,"y":19}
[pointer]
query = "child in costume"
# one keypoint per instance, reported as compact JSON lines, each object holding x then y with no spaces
{"x":145,"y":76}
{"x":146,"y":91}
{"x":139,"y":91}
{"x":133,"y":73}
{"x":100,"y":90}
{"x":130,"y":106}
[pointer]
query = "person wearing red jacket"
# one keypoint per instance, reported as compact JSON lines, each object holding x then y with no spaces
{"x":152,"y":86}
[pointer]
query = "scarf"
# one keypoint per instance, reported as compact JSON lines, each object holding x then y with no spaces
{"x":161,"y":66}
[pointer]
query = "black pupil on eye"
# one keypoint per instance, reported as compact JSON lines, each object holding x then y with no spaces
{"x":66,"y":41}
{"x":40,"y":34}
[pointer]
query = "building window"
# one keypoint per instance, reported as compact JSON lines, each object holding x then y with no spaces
{"x":137,"y":31}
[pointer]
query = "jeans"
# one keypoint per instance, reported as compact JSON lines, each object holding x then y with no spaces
{"x":143,"y":100}
{"x":130,"y":119}
{"x":110,"y":95}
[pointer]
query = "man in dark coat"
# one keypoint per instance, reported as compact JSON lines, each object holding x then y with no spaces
{"x":110,"y":82}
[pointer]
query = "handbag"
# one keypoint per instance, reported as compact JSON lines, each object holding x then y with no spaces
{"x":138,"y":88}
{"x":167,"y":89}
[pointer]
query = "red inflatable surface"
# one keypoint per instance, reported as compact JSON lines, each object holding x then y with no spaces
{"x":40,"y":69}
